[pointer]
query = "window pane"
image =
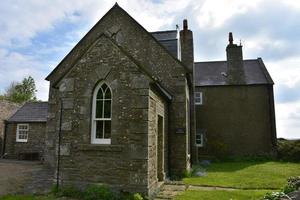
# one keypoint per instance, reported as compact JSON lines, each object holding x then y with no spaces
{"x":107,"y":94}
{"x":99,"y":108}
{"x":100,"y":94}
{"x":104,"y":86}
{"x":107,"y":129}
{"x":107,"y":108}
{"x":99,"y":129}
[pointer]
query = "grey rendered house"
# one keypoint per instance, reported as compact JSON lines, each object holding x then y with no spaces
{"x":235,"y":113}
{"x":129,"y":108}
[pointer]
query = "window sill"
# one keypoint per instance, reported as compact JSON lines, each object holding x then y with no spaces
{"x":100,"y":147}
{"x":21,"y":141}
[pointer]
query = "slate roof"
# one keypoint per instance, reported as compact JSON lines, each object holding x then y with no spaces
{"x":213,"y":73}
{"x":169,"y":40}
{"x":31,"y":112}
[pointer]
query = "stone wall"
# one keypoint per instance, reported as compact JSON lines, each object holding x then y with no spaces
{"x":237,"y":120}
{"x":156,"y":61}
{"x":157,"y":141}
{"x":124,"y":163}
{"x":35,"y":143}
{"x":7,"y":109}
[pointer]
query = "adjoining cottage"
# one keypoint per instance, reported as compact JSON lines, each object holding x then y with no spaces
{"x":129,"y":108}
{"x":25,"y":132}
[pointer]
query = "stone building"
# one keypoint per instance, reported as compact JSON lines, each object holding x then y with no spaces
{"x":25,"y":132}
{"x":6,"y":110}
{"x":129,"y":108}
{"x":234,"y":107}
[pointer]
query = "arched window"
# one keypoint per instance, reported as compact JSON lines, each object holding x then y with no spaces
{"x":101,"y":115}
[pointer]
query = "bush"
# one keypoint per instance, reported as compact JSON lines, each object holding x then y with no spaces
{"x":294,"y":182}
{"x":288,"y":189}
{"x":274,"y":196}
{"x":97,"y":192}
{"x":68,"y":191}
{"x":289,"y":150}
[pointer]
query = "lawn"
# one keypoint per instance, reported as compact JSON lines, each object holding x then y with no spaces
{"x":219,"y":195}
{"x":247,"y":175}
{"x":27,"y":197}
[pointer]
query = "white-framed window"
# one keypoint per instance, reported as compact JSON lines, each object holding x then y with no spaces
{"x":198,"y":98}
{"x":200,"y":137}
{"x":101,"y":115}
{"x":22,"y":132}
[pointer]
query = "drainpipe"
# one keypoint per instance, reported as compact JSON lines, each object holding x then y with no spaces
{"x":4,"y":139}
{"x":59,"y":143}
{"x":169,"y":142}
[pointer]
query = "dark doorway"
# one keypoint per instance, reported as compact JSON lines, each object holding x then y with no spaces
{"x":160,"y":148}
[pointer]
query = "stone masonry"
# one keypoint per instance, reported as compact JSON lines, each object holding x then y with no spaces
{"x":35,"y":143}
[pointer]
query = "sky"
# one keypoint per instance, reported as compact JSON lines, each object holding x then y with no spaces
{"x":37,"y":34}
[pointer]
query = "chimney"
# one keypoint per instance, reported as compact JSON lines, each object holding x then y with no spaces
{"x":187,"y":46}
{"x":235,"y":63}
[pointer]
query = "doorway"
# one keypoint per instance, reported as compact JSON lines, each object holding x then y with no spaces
{"x":160,"y":148}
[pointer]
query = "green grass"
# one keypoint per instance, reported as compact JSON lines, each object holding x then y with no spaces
{"x":247,"y":175}
{"x":27,"y":197}
{"x":222,"y":195}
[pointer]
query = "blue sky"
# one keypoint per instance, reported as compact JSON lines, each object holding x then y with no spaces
{"x":36,"y":35}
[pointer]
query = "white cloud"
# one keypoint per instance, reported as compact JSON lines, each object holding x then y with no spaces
{"x":214,"y":13}
{"x":15,"y":66}
{"x":288,"y":116}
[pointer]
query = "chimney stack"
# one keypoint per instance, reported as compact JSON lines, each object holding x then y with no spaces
{"x":235,"y":63}
{"x":187,"y":46}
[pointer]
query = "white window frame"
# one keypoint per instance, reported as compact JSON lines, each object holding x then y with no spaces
{"x":18,"y":132}
{"x":202,"y":139}
{"x":95,"y":140}
{"x":198,"y":98}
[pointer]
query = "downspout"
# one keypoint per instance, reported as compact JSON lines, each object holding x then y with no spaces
{"x":4,"y":139}
{"x":59,"y":143}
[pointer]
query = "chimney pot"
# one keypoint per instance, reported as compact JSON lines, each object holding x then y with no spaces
{"x":185,"y":24}
{"x":230,"y":39}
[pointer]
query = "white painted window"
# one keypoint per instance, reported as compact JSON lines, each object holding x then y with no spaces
{"x":22,"y":132}
{"x":101,"y":115}
{"x":200,"y":138}
{"x":198,"y":98}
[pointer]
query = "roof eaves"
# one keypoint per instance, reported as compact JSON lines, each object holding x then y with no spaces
{"x":162,"y":91}
{"x":11,"y":117}
{"x":265,"y":71}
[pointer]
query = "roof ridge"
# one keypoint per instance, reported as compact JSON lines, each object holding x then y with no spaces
{"x":163,"y":31}
{"x":214,"y":61}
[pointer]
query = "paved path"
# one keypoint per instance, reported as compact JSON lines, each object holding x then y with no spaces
{"x":171,"y":189}
{"x":23,"y":177}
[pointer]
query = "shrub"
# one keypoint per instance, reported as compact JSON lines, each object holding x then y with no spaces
{"x":294,"y":182}
{"x":289,"y":150}
{"x":274,"y":196}
{"x":68,"y":191}
{"x":137,"y":196}
{"x":97,"y":192}
{"x":288,"y":189}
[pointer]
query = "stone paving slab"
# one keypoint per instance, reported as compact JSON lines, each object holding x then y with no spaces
{"x":23,"y":177}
